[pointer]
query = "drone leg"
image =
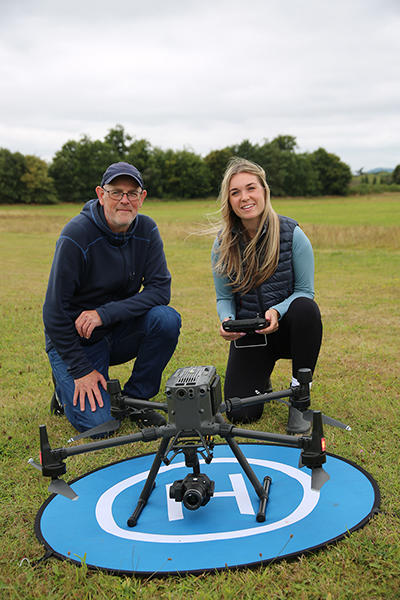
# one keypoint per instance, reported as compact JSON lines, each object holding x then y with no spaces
{"x":150,"y":482}
{"x":263,"y":501}
{"x":261,"y":492}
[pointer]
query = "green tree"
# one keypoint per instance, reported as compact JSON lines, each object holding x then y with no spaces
{"x":185,"y":175}
{"x":300,"y":177}
{"x":396,"y":175}
{"x":78,"y":167}
{"x":119,"y":142}
{"x":334,"y":176}
{"x":285,"y":142}
{"x":287,"y":173}
{"x":216,"y":162}
{"x":140,"y":154}
{"x":12,"y":168}
{"x":39,"y":186}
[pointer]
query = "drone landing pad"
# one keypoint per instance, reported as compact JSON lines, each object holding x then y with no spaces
{"x":170,"y":539}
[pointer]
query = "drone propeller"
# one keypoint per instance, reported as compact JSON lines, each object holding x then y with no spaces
{"x":107,"y":427}
{"x":59,"y":486}
{"x":318,"y":477}
{"x":308,"y":416}
{"x":33,"y":463}
{"x":56,"y":486}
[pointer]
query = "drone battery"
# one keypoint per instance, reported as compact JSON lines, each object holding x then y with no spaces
{"x":193,"y":397}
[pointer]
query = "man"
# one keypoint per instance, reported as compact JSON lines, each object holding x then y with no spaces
{"x":106,"y":301}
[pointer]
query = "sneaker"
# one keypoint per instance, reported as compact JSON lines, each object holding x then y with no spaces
{"x":56,"y":408}
{"x":297,"y":424}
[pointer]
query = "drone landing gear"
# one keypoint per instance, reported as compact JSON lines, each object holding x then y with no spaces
{"x":262,"y":490}
{"x":196,"y":489}
{"x":150,"y":483}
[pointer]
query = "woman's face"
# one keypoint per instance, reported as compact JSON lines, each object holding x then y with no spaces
{"x":247,"y":199}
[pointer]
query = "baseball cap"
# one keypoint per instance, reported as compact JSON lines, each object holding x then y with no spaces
{"x":121,"y":168}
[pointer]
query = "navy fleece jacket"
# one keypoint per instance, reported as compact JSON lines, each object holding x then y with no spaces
{"x":121,"y":276}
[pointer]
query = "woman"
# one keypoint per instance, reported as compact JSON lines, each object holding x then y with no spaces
{"x":263,"y":265}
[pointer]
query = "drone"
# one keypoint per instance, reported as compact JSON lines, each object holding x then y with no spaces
{"x":195,"y":416}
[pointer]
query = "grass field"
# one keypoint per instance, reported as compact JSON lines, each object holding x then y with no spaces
{"x":357,"y":254}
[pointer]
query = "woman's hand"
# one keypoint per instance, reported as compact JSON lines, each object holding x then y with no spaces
{"x":271,"y":316}
{"x":229,"y":336}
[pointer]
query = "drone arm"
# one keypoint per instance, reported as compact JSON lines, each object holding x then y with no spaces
{"x":300,"y":395}
{"x":51,"y":459}
{"x":227,"y":430}
{"x":119,"y":401}
{"x":146,"y":435}
{"x":137,"y":403}
{"x":234,"y":403}
{"x":264,"y":436}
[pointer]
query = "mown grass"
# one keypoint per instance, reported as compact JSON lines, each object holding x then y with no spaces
{"x":356,"y":244}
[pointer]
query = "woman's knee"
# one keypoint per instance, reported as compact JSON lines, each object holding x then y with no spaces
{"x":307,"y":308}
{"x":246,"y":414}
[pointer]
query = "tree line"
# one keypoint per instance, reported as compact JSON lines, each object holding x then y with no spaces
{"x":77,"y":167}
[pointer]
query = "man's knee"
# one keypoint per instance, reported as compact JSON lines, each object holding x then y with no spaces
{"x":164,"y":320}
{"x":87,"y":419}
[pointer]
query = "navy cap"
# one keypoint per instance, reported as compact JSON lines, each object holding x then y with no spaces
{"x":121,"y":168}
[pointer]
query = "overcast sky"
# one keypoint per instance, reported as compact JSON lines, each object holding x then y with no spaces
{"x":203,"y":74}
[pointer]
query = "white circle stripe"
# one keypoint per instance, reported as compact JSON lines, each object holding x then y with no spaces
{"x":107,"y":522}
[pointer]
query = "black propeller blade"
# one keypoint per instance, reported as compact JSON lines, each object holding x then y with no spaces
{"x":318,"y":478}
{"x":33,"y":463}
{"x":59,"y":486}
{"x":308,"y":416}
{"x":107,"y":427}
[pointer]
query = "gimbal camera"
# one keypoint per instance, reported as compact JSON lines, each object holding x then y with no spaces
{"x":194,"y":405}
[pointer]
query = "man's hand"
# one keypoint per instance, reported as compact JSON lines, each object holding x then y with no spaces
{"x":86,"y":322}
{"x":88,"y":386}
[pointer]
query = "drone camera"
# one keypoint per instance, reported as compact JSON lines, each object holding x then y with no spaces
{"x":193,"y":491}
{"x":193,"y":397}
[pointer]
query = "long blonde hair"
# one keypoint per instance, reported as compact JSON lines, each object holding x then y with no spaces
{"x":260,"y":257}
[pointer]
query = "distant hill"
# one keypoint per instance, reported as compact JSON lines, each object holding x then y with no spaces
{"x":380,"y":170}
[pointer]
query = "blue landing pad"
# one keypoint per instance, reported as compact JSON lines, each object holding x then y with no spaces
{"x":170,"y":539}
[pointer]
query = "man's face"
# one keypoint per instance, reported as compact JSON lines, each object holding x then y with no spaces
{"x":121,"y":212}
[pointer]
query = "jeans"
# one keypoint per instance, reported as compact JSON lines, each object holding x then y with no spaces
{"x":150,"y":338}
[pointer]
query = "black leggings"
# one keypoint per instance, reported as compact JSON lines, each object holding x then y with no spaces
{"x":298,"y":337}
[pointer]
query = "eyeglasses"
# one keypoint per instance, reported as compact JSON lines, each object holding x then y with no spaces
{"x":115,"y":195}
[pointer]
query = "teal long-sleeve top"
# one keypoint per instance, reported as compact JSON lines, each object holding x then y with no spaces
{"x":303,"y":269}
